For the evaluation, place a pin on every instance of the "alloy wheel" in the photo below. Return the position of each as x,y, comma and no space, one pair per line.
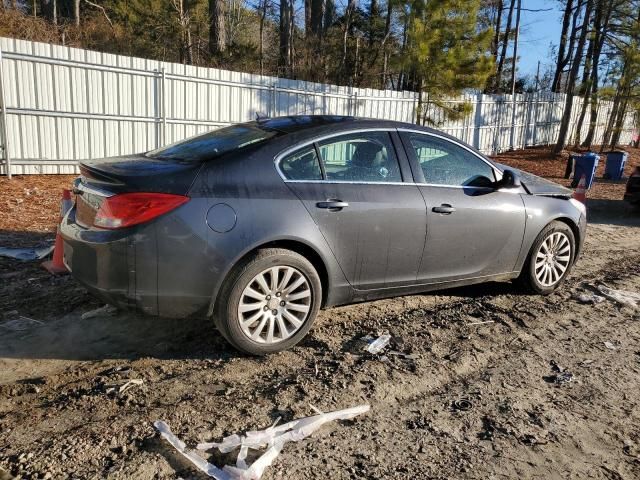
552,259
274,305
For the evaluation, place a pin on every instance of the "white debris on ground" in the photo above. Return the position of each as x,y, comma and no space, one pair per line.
104,310
588,297
273,439
623,297
377,345
123,387
21,324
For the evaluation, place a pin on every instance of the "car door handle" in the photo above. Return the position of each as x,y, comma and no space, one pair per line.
445,209
333,205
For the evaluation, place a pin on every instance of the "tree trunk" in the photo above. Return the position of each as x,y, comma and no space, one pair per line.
286,33
573,75
76,12
345,36
505,44
374,16
49,10
329,15
602,28
307,18
563,57
586,82
217,28
619,123
263,16
498,27
317,16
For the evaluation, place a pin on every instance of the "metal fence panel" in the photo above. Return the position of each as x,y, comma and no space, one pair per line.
65,104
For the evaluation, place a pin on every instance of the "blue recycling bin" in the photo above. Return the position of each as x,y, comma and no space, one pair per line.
614,168
586,165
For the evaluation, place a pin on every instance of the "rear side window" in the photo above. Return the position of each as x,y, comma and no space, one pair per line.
213,144
301,165
360,157
445,163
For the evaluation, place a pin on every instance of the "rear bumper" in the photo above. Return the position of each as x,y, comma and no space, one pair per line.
159,268
107,264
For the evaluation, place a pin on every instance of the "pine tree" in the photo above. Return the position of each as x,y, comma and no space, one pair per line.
446,54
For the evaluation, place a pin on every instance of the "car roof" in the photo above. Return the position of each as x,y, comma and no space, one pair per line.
298,128
300,123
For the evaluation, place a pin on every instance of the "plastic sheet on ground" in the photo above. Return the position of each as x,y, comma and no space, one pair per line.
379,344
26,254
623,297
588,297
273,438
104,310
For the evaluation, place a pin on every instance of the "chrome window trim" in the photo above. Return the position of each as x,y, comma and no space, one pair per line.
496,171
300,146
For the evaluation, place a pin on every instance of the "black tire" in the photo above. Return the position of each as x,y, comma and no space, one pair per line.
528,279
227,317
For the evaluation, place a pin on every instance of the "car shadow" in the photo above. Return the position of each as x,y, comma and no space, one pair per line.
122,335
482,290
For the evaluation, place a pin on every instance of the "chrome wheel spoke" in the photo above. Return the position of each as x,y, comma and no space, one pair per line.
275,271
262,281
287,277
253,293
258,330
297,307
298,295
250,307
299,281
295,321
251,320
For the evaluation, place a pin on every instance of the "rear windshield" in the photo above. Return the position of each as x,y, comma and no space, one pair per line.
212,144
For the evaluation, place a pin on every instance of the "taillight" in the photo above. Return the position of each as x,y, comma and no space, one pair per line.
129,209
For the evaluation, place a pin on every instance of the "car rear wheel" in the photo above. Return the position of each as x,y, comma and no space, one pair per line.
550,259
269,302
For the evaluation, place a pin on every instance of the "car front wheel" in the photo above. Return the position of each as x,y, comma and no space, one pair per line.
269,302
550,259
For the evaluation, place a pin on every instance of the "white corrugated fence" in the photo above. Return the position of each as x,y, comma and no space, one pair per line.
60,105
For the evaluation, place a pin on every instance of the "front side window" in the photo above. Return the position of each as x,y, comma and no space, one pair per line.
301,165
360,157
445,163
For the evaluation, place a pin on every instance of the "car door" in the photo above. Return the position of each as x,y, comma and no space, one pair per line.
473,229
373,220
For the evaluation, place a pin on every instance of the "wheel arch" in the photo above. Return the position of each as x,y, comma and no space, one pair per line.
574,228
295,245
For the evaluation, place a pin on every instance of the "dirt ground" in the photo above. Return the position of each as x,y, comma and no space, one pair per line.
480,394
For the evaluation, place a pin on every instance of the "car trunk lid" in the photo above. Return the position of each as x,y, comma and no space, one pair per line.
100,179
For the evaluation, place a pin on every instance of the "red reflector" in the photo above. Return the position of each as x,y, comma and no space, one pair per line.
129,209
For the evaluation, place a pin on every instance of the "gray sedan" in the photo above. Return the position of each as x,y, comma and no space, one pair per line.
259,225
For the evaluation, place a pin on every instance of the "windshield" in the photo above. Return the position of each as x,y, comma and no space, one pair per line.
212,144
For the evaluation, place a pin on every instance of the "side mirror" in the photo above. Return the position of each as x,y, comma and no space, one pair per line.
510,179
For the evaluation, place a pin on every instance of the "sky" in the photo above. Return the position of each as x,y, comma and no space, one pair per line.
538,30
